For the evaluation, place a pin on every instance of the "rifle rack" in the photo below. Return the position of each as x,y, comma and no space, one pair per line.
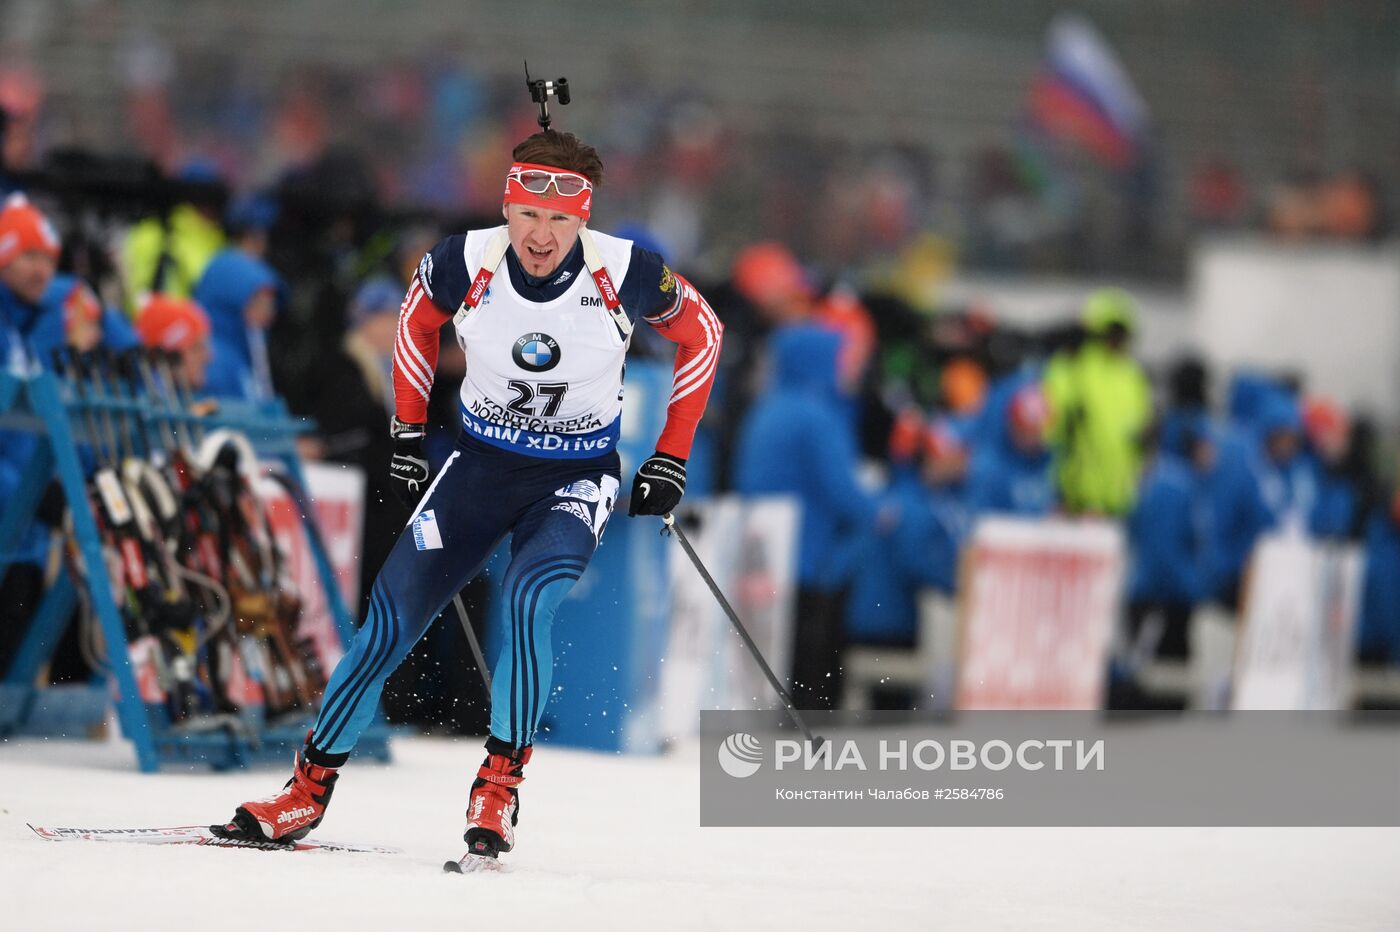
41,404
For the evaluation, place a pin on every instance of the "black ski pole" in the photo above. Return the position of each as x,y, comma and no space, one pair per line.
472,642
671,527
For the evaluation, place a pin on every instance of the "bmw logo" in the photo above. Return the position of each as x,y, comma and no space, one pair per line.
536,352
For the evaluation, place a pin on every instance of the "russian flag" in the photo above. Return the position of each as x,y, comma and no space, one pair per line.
1083,94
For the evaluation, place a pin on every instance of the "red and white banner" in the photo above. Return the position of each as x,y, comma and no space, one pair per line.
1040,602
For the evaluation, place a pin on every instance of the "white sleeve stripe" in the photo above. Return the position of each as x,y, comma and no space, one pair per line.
699,369
412,359
425,370
708,358
707,322
679,393
406,365
703,366
412,373
408,376
706,318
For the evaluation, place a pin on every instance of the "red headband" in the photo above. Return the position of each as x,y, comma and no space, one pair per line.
580,205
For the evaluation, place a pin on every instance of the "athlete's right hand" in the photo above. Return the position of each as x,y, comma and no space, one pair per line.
409,467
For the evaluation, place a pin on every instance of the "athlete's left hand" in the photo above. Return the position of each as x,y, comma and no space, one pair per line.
658,486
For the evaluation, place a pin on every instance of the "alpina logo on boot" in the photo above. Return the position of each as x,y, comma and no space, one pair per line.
291,815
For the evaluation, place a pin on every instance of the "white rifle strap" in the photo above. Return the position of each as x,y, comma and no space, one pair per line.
495,252
594,260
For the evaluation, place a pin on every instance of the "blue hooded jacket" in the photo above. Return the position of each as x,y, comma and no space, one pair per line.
1251,494
796,440
50,330
921,552
1171,534
18,318
1005,479
1334,508
1379,630
1171,530
224,290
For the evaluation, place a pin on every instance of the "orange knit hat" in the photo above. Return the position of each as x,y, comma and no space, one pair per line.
172,323
23,228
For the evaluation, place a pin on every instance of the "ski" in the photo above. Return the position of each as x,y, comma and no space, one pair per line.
198,835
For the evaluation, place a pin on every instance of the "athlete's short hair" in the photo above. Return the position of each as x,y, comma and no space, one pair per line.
561,150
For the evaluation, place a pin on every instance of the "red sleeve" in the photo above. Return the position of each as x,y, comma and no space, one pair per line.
416,353
692,324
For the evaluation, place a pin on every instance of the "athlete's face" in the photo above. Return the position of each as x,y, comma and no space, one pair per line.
541,238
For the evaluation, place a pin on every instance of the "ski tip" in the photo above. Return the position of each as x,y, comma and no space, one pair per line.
451,867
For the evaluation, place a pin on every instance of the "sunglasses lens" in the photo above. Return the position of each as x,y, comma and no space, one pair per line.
538,182
568,187
535,182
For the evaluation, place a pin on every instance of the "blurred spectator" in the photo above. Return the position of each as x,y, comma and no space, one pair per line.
29,250
179,325
1012,474
239,293
940,541
1171,538
768,276
963,386
1328,443
1218,197
1378,637
21,102
351,403
797,441
1344,206
1100,405
928,466
841,310
1293,205
76,318
1283,479
1263,483
767,288
168,253
1350,207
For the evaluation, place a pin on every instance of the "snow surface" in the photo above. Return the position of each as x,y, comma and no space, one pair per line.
609,842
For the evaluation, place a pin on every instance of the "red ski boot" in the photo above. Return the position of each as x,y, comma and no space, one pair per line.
292,813
494,806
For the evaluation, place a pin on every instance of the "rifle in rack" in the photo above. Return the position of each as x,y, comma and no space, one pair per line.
196,605
189,528
214,542
266,605
123,547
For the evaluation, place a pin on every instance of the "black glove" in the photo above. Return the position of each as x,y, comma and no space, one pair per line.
658,486
409,467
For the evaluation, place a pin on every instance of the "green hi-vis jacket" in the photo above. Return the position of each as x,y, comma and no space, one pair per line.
1100,407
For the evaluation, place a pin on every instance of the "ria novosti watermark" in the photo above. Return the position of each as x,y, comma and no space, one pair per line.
1053,768
741,755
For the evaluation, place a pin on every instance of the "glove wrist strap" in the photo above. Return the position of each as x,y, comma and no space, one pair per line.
401,430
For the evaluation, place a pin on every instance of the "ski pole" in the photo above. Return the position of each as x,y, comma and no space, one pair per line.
472,642
671,527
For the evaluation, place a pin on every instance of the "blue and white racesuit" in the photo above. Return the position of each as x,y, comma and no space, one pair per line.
537,457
